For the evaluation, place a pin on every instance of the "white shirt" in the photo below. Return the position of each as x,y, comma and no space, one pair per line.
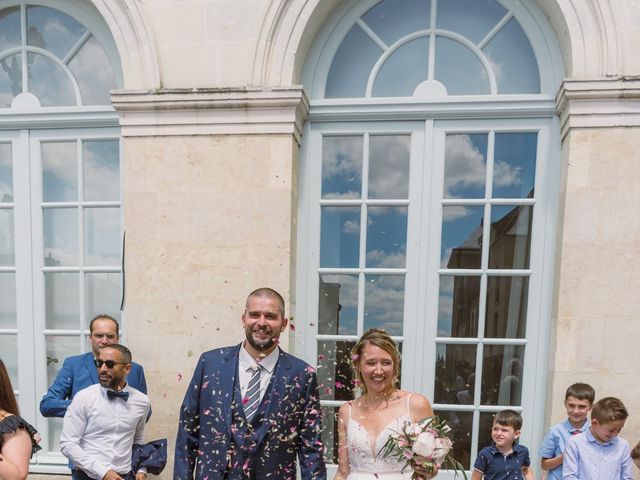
98,433
247,364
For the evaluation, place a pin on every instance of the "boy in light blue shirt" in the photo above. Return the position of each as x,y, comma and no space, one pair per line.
598,453
578,401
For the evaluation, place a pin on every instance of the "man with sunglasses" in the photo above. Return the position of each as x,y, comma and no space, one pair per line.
252,408
104,421
78,372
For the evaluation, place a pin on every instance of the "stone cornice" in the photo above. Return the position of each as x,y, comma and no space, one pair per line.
599,103
211,111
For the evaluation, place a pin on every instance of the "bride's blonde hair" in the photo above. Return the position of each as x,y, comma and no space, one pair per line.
380,339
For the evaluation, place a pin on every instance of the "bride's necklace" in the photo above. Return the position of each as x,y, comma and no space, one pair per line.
381,404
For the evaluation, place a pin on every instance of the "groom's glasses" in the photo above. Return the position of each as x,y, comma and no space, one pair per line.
109,363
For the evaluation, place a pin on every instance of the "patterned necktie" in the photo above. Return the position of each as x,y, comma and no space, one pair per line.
252,399
112,394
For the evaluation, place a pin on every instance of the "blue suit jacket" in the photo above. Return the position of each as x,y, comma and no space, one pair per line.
290,424
79,372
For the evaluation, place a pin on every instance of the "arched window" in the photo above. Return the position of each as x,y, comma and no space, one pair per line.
429,189
60,195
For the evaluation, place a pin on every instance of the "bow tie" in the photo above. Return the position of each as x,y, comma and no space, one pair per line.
111,394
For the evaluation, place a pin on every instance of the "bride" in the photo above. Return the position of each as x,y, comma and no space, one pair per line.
364,424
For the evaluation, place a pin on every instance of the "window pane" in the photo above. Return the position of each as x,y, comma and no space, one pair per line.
513,61
102,295
404,70
455,373
7,238
510,236
94,73
465,165
55,428
335,375
52,30
386,237
101,170
473,19
10,28
506,307
458,306
10,78
9,349
7,300
102,236
6,173
453,58
502,374
59,172
393,19
351,65
330,433
49,82
60,236
389,157
514,165
484,430
342,167
340,237
384,303
461,424
461,236
338,305
62,301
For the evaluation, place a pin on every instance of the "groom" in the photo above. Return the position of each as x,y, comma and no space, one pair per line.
251,408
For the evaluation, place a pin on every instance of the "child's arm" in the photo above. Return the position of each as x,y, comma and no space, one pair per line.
551,463
477,475
528,473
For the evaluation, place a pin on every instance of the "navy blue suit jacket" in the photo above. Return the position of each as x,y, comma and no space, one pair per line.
79,372
289,425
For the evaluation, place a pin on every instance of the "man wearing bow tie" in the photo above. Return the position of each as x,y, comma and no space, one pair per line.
104,421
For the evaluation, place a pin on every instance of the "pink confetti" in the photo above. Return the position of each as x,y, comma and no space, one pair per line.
179,376
292,327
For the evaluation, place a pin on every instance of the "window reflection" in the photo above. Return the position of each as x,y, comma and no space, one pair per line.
101,170
6,174
455,374
10,27
336,380
10,78
342,166
102,236
351,65
9,349
384,303
60,236
7,300
474,81
465,165
461,424
7,238
506,307
458,306
94,73
461,245
510,236
59,172
480,16
389,159
330,433
49,82
404,70
102,294
514,165
62,300
502,374
393,19
387,237
338,305
339,237
52,30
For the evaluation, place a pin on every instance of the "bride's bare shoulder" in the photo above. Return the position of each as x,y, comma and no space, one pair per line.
419,406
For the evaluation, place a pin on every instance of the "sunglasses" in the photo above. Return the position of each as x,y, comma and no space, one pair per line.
109,363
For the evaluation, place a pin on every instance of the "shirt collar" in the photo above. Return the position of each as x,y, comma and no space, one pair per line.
567,425
268,363
593,439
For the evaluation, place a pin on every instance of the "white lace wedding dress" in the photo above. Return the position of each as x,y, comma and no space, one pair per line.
365,463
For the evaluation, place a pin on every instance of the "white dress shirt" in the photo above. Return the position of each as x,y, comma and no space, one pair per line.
247,365
98,433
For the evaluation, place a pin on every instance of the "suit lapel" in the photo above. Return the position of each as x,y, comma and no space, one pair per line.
91,368
276,392
228,374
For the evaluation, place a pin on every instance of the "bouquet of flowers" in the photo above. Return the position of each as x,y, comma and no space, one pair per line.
424,445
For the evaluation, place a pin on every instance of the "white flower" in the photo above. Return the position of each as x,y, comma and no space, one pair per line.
424,445
442,447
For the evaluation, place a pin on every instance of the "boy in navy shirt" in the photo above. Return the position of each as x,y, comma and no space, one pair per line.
578,401
504,458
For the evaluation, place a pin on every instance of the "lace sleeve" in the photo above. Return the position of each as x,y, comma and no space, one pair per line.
11,424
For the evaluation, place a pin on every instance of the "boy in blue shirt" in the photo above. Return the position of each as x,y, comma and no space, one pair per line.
599,454
578,401
504,458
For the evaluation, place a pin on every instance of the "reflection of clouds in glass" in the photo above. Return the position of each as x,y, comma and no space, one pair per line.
59,171
49,82
453,213
505,174
341,196
102,236
389,166
445,305
382,259
496,66
94,73
464,165
348,288
342,157
101,170
351,226
384,302
446,255
60,256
